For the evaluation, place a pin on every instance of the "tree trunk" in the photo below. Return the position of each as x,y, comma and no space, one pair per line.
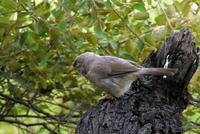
154,104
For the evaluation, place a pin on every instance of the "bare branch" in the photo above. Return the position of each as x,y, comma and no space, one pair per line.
159,3
194,102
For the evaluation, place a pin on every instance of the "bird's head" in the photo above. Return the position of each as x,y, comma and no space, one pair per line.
83,61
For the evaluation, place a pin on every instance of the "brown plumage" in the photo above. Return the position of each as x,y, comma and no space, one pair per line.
112,74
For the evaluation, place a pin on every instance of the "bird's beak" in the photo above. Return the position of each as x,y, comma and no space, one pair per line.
74,63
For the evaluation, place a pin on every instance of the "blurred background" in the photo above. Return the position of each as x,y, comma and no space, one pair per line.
39,90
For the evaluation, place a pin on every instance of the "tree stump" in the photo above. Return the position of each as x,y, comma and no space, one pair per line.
154,104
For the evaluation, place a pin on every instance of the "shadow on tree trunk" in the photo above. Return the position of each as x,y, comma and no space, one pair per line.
153,105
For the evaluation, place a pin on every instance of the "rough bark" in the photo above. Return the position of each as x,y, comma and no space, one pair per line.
153,105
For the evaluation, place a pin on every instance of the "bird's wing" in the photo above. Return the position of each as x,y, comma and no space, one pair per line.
119,66
134,63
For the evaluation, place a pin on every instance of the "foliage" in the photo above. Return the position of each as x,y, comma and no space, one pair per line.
39,39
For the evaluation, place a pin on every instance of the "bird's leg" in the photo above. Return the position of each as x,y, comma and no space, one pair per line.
106,96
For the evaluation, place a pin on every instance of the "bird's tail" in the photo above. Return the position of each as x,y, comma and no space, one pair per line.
157,71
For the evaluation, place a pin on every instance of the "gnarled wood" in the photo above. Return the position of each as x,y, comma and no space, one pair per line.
153,104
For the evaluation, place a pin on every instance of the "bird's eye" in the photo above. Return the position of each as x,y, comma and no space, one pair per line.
77,64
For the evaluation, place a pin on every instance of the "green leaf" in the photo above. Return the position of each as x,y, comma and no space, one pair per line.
169,2
113,43
40,27
4,21
23,38
140,15
112,17
139,7
55,33
35,46
161,20
98,29
99,32
149,2
62,25
107,3
2,30
183,6
125,54
55,13
159,33
189,112
117,2
67,4
148,38
9,4
42,9
131,1
92,39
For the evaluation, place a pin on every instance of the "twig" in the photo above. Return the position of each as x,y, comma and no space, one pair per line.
44,124
34,108
159,3
194,102
21,123
195,123
23,26
127,26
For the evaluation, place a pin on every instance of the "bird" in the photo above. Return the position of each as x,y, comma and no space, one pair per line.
112,74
